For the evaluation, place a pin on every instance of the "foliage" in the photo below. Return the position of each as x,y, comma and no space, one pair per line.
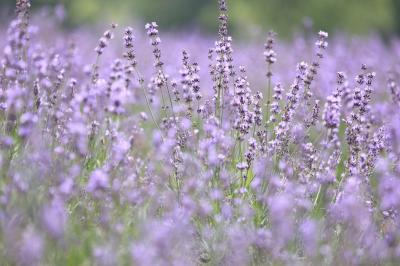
285,17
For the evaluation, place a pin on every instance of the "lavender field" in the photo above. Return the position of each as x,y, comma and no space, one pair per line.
139,147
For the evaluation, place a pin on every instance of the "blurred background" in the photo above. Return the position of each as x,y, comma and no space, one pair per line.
248,17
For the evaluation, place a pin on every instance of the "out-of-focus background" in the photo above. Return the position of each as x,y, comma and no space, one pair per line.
248,17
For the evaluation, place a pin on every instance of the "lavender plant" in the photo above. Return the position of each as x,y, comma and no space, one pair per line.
124,155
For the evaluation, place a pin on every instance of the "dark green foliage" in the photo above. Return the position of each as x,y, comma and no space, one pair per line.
284,16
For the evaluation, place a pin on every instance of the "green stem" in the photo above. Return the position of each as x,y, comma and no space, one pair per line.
169,95
268,98
147,101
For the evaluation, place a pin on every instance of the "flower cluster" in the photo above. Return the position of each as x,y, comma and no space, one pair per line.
124,156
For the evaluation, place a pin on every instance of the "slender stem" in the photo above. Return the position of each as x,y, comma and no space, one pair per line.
218,104
318,195
169,94
163,107
241,159
222,106
95,69
147,101
178,189
269,95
